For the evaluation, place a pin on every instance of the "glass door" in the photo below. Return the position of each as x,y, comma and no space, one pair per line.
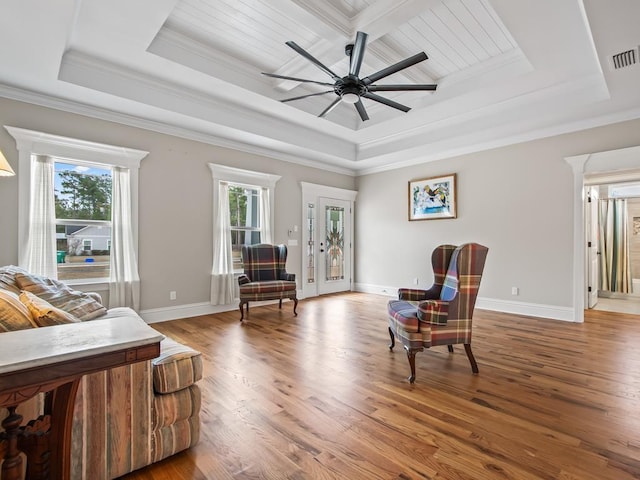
333,245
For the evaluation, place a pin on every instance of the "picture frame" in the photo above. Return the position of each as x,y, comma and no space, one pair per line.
433,198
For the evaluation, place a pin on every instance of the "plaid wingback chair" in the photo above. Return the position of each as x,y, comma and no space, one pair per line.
441,315
265,276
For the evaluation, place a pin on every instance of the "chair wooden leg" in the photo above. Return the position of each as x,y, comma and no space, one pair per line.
411,356
450,348
472,360
295,305
280,304
393,339
242,310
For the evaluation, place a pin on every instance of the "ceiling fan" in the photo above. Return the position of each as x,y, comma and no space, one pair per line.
351,88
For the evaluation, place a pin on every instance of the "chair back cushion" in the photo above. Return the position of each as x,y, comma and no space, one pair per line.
264,262
462,282
440,261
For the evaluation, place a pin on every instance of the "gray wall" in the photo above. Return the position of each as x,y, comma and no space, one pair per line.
517,200
175,236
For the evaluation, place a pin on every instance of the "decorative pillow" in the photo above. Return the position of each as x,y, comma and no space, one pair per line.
8,278
43,313
81,305
13,314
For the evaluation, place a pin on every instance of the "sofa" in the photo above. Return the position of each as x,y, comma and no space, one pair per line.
124,418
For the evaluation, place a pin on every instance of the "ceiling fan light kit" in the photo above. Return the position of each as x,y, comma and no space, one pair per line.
351,88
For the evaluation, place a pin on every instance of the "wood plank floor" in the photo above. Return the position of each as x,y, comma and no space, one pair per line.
320,396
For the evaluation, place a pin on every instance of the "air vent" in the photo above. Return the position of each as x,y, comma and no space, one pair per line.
625,59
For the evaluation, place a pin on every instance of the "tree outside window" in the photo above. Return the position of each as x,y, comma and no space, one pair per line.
244,212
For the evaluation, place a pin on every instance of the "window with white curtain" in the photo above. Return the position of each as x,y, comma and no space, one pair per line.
101,211
242,215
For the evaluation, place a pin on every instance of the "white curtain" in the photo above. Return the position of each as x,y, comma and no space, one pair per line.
265,216
40,253
222,278
124,282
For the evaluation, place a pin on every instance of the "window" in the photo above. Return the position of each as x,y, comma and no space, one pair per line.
244,215
90,186
82,194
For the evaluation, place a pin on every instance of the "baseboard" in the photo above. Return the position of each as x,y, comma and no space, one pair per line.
155,315
507,306
377,289
553,312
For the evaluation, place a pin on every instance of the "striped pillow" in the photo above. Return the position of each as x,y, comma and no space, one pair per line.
13,314
43,313
81,305
8,278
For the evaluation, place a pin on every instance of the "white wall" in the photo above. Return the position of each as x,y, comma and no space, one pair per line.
516,200
175,230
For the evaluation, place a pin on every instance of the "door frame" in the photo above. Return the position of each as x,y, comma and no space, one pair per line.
311,193
594,169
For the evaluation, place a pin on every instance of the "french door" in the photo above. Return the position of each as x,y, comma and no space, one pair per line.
333,242
327,253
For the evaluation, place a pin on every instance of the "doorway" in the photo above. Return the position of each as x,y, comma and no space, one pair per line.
618,236
607,167
327,254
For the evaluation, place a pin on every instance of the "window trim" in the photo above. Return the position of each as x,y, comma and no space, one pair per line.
30,142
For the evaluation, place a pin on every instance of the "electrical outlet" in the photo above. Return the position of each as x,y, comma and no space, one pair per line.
514,291
172,295
415,281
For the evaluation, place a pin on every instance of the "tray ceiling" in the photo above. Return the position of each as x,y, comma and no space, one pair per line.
506,71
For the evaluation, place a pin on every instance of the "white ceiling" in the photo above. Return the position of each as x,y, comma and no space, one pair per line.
507,71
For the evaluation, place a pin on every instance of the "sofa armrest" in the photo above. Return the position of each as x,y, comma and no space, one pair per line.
177,367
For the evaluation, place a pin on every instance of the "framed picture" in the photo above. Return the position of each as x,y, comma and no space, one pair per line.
432,198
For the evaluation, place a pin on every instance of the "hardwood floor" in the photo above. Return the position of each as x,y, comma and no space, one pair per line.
320,396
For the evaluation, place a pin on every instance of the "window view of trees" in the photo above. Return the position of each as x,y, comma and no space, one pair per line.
83,196
244,205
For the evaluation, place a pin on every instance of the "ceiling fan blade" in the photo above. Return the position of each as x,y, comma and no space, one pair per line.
330,107
401,88
312,59
361,110
357,53
386,101
305,96
284,77
385,72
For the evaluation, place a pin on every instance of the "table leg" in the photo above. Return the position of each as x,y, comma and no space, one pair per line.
12,465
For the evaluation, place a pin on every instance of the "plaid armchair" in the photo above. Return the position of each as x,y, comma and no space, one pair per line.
441,315
265,276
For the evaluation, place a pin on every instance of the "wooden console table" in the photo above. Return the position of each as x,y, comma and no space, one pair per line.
54,359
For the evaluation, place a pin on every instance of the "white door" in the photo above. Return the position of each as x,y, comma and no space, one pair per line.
592,246
333,245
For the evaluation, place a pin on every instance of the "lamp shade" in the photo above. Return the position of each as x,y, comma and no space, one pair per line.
5,168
